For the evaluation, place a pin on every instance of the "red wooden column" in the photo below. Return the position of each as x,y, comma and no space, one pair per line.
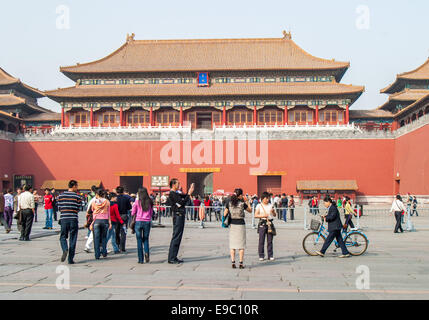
151,116
224,116
316,117
255,116
67,119
181,116
346,120
91,117
286,119
62,117
394,125
121,117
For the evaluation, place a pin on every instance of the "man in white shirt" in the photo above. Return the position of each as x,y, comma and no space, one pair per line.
26,205
398,208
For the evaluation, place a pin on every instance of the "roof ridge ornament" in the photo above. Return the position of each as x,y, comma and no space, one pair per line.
287,35
130,37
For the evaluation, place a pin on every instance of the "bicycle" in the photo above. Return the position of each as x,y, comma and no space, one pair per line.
355,241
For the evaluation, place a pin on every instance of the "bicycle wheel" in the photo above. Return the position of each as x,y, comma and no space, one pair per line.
312,242
356,243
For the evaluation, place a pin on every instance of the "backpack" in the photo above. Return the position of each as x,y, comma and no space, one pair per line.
238,211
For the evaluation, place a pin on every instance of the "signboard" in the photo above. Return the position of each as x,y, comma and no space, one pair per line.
309,191
203,79
159,181
20,181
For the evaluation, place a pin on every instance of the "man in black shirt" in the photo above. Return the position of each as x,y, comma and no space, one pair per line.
124,205
178,203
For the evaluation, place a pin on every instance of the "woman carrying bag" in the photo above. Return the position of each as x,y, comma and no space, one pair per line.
266,213
236,208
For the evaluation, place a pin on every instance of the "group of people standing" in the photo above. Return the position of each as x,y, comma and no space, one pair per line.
21,206
108,217
399,210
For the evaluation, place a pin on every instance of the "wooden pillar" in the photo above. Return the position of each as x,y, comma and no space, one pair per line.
224,116
394,125
255,114
62,117
346,120
151,116
181,116
316,117
91,117
67,119
286,119
121,116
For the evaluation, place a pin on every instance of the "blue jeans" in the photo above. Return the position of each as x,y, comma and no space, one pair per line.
284,214
100,238
49,214
69,228
142,235
111,236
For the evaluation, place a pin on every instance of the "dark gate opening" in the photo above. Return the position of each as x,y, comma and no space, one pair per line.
131,183
270,184
204,120
203,183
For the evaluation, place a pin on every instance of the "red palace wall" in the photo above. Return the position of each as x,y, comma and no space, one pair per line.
370,162
412,162
6,164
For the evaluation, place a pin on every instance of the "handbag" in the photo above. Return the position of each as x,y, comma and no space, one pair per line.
226,221
271,228
133,223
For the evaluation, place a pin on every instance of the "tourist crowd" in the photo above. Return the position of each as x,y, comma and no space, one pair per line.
111,214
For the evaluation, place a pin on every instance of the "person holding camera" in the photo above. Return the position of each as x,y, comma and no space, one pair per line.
178,201
266,213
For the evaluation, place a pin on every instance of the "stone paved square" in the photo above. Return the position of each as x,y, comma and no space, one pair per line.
398,265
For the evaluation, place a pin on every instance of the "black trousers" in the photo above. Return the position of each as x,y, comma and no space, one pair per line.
121,234
178,227
263,233
398,217
26,223
336,234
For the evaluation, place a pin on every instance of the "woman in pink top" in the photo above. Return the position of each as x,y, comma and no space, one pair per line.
101,223
143,210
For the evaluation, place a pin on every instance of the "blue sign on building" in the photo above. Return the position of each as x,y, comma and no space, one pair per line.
203,79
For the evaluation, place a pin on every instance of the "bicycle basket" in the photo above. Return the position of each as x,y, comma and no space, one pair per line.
315,225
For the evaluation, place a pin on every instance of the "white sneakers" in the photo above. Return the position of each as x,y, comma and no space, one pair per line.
271,259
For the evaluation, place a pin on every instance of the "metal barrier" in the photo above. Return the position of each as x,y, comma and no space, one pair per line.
383,219
375,218
212,213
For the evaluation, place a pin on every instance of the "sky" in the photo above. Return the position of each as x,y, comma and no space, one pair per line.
379,38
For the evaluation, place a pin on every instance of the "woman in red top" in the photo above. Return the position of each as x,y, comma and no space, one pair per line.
115,218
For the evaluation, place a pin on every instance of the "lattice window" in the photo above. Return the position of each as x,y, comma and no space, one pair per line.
240,117
270,117
81,118
168,117
138,118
